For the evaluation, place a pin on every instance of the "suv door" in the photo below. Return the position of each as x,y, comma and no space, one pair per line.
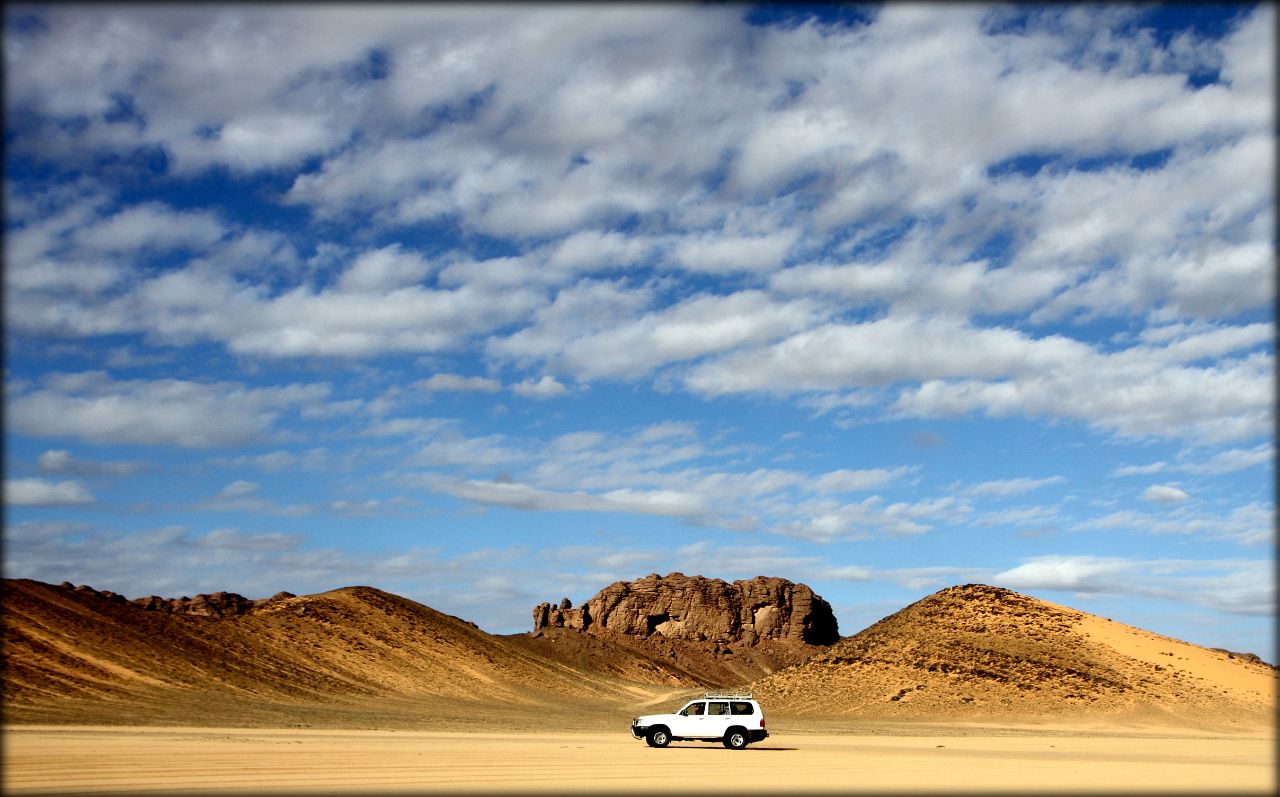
689,722
718,720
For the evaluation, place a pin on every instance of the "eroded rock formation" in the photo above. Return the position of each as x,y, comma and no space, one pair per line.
216,604
700,609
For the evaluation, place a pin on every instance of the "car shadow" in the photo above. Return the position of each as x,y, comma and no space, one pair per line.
721,749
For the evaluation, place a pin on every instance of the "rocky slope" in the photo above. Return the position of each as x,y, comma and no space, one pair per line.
980,652
77,652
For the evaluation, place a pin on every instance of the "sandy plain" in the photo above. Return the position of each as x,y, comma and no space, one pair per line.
882,758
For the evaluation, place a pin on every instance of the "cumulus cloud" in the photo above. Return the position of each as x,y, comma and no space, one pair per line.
39,492
1164,494
1133,394
544,388
1238,587
94,407
151,226
511,153
688,330
1081,573
456,383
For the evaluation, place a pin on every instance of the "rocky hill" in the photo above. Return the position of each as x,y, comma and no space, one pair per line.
361,658
723,633
76,652
980,652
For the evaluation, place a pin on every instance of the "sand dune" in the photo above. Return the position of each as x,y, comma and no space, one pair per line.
977,652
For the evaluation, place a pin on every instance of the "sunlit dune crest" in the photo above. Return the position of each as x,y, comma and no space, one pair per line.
974,652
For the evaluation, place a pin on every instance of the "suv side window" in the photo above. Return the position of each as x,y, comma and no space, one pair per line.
692,710
718,709
742,708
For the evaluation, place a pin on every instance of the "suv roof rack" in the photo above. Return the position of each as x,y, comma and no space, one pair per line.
726,695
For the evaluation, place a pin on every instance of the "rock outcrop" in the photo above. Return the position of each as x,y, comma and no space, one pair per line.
700,609
215,604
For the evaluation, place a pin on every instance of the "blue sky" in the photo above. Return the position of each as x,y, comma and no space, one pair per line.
494,305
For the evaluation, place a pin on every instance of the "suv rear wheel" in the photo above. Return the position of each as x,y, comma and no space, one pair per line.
659,737
735,739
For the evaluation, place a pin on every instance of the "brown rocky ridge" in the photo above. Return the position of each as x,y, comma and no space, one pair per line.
215,604
358,657
723,633
353,657
981,652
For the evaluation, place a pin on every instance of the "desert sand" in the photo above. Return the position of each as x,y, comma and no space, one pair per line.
879,759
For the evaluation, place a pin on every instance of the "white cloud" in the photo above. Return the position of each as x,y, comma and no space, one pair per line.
238,489
844,481
39,492
721,253
576,312
332,323
1248,524
881,352
544,388
514,495
1237,587
450,448
456,383
700,326
383,270
151,226
244,496
92,406
60,461
269,140
1006,487
1133,393
871,517
235,539
1140,470
592,250
1232,460
1164,494
1028,519
1077,573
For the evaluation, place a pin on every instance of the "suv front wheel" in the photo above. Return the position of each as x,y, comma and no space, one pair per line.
659,737
735,739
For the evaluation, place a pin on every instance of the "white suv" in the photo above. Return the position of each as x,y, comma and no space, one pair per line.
733,718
